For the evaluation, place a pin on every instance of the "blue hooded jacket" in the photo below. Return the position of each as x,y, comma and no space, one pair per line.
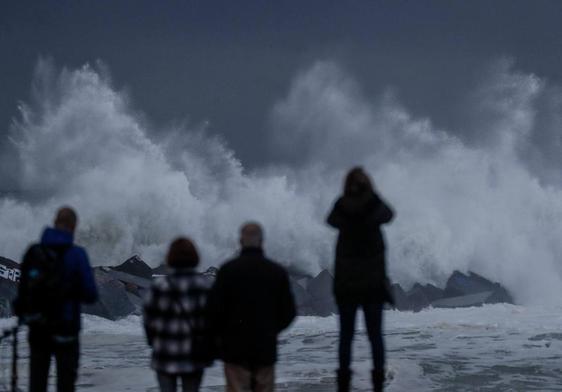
78,276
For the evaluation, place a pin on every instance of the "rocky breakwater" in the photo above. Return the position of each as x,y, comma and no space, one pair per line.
314,295
122,288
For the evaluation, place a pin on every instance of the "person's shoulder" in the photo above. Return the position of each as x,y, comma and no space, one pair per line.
338,203
201,282
375,199
229,265
206,282
32,252
31,249
78,253
160,283
276,267
193,280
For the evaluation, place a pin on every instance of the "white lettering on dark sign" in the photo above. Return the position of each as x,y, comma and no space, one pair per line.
12,274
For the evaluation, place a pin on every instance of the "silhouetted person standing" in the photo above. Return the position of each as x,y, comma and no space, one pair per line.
360,272
56,278
250,304
175,322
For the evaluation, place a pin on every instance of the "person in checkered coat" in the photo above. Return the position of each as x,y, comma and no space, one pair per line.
174,320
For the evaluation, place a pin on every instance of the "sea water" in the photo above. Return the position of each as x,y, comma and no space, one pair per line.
492,348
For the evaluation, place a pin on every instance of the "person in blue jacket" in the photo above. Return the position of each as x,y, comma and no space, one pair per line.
56,278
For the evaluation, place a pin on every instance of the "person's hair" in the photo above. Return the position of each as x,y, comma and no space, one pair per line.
357,182
251,235
66,219
182,254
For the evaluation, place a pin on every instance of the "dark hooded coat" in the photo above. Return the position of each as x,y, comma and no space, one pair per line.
360,267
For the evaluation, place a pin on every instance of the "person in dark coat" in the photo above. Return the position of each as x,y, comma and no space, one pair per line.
56,333
360,273
175,321
250,304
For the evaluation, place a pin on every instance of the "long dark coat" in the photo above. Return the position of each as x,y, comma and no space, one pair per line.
360,267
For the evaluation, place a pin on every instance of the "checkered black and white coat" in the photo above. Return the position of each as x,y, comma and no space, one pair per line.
174,311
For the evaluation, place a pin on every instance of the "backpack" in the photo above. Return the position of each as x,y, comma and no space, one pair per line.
42,287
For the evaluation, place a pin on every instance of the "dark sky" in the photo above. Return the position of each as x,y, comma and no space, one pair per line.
229,61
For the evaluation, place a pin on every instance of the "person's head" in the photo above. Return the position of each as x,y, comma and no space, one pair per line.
251,235
182,254
66,219
357,182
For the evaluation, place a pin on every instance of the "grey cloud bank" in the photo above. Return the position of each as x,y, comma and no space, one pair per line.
228,63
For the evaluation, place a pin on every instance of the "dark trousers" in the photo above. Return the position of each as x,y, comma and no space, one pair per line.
373,321
190,382
66,356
